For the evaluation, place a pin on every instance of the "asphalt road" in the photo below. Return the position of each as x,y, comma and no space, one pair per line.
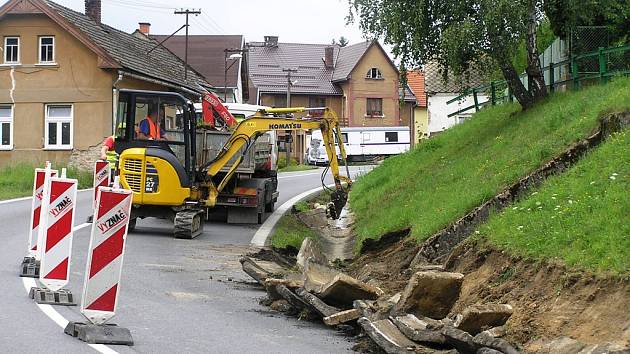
177,296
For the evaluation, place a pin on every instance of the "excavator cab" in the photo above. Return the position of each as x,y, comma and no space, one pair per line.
156,132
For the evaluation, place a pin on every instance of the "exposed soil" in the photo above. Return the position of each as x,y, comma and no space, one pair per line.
549,300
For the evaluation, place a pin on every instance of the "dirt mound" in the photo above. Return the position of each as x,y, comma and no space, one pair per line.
549,301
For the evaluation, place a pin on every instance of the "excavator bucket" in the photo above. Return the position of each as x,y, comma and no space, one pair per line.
338,200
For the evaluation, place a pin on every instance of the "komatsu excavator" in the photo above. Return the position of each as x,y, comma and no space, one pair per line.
172,179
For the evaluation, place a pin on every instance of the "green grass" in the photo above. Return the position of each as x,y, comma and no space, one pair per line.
290,232
580,217
294,168
447,176
17,180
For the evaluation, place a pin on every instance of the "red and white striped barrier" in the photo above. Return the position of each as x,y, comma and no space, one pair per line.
57,221
38,191
105,255
102,176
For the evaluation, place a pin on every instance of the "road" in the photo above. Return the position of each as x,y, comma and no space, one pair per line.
177,296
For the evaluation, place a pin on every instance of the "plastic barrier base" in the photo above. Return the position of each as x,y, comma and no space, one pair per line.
61,297
99,334
29,268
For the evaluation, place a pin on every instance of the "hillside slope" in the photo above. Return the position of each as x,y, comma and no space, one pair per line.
580,217
446,176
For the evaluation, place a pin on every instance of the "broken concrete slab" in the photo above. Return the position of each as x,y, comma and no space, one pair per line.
431,294
424,330
477,318
488,341
315,276
342,317
310,250
254,270
496,332
462,341
292,298
428,267
289,283
605,348
388,337
324,309
367,311
343,289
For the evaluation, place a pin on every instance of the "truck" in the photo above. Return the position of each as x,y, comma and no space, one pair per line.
253,192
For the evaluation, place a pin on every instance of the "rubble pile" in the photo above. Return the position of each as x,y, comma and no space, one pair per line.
417,320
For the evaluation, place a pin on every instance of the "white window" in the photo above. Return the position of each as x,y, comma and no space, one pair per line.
6,127
11,50
374,73
46,50
58,127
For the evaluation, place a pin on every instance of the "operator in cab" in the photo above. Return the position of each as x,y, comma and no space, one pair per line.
150,128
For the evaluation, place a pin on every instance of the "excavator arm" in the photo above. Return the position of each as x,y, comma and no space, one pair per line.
247,131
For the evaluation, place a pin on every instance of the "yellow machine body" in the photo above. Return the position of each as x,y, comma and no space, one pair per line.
153,180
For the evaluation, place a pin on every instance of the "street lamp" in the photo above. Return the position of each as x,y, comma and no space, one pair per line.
237,55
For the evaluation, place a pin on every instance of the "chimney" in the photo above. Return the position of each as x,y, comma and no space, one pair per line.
271,41
328,57
144,27
93,10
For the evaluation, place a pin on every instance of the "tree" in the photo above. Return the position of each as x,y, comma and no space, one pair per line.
459,34
343,41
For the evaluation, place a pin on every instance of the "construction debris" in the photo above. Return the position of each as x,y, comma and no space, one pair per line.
486,340
431,294
310,250
477,318
254,270
460,340
343,289
342,317
424,330
293,299
387,336
321,307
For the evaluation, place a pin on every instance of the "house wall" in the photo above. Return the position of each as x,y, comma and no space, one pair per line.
75,79
359,88
298,148
438,110
420,124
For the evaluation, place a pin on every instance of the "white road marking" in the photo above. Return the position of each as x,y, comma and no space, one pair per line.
61,321
261,236
299,175
28,198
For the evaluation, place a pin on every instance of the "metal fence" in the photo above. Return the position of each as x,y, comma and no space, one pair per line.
570,73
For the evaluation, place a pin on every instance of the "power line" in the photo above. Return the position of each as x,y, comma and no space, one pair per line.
187,12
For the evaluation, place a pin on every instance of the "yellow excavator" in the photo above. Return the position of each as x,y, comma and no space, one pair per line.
175,174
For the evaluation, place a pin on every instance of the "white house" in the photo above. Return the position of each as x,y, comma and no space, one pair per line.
440,90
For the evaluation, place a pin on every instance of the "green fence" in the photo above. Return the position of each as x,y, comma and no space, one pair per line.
588,68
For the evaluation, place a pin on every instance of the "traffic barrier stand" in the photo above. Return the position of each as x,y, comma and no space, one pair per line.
30,263
104,266
55,242
102,176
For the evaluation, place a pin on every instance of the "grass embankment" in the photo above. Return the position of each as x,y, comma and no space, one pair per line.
292,166
447,176
291,231
17,180
580,217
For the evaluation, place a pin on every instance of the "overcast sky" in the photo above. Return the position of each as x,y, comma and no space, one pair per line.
313,21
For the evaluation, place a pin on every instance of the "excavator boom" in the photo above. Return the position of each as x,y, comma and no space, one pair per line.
246,132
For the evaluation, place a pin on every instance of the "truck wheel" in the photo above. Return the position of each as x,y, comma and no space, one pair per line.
269,207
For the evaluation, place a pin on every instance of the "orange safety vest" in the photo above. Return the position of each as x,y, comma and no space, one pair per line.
154,129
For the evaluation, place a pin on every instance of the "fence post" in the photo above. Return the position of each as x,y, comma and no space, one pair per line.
574,72
474,92
551,77
602,64
493,93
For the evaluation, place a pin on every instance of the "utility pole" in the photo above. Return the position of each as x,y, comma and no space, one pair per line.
289,71
187,12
